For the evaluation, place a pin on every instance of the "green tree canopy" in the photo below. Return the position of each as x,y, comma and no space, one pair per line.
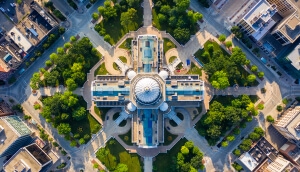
129,18
64,128
79,113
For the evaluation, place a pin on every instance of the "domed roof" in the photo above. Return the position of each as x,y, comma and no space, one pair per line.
147,90
163,74
131,74
131,107
164,106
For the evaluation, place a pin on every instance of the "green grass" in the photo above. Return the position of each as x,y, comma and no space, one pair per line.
101,70
101,112
116,31
195,70
168,45
171,59
168,136
179,66
117,154
115,66
126,44
123,59
85,125
200,55
128,134
163,161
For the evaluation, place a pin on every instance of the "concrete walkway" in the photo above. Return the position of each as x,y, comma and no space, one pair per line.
147,4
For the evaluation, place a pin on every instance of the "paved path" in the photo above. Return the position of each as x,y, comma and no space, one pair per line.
147,12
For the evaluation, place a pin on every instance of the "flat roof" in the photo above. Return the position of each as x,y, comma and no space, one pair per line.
294,57
261,7
248,161
8,135
19,39
17,125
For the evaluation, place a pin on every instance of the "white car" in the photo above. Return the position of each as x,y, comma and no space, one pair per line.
12,4
2,9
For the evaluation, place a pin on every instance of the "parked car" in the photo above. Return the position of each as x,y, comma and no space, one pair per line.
12,4
2,9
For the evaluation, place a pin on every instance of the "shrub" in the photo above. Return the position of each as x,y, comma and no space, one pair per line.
237,152
260,106
222,38
230,138
259,131
95,16
95,165
254,136
126,138
37,106
107,38
26,117
73,143
55,144
270,119
285,101
86,136
76,136
81,141
279,108
18,108
263,90
224,144
228,44
237,167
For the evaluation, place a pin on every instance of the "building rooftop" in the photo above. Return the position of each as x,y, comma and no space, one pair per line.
5,109
291,151
19,39
262,10
290,120
294,57
11,128
279,165
31,158
249,162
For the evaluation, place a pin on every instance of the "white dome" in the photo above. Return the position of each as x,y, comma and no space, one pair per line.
131,74
131,107
147,90
163,74
164,106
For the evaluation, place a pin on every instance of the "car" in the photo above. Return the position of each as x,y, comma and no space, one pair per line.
107,117
168,128
2,9
12,4
11,19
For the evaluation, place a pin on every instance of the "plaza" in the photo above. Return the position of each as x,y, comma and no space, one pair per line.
148,92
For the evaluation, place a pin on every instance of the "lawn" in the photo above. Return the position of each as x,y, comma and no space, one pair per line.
127,138
179,66
101,70
168,45
195,70
205,55
101,112
163,161
85,125
114,28
117,154
171,59
123,59
168,137
115,66
126,44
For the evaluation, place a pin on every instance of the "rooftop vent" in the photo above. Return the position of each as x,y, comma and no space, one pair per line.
297,128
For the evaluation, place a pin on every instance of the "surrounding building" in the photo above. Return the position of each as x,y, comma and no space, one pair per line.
29,158
14,134
257,156
148,92
259,20
289,125
294,57
281,165
291,152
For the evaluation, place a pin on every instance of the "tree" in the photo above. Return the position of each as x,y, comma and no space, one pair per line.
222,38
252,109
260,106
182,5
238,56
60,50
259,131
64,128
251,78
270,119
67,45
285,101
228,44
19,1
73,39
237,32
254,68
64,116
121,168
214,131
86,137
279,108
53,58
95,16
48,63
35,81
181,34
129,18
189,145
133,3
73,143
230,138
254,136
96,165
79,113
81,141
260,74
184,150
161,18
71,84
107,38
224,144
18,108
237,152
220,80
246,144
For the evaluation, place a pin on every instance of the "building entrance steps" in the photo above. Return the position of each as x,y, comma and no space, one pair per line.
123,116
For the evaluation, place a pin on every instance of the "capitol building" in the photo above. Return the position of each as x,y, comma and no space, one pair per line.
148,93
